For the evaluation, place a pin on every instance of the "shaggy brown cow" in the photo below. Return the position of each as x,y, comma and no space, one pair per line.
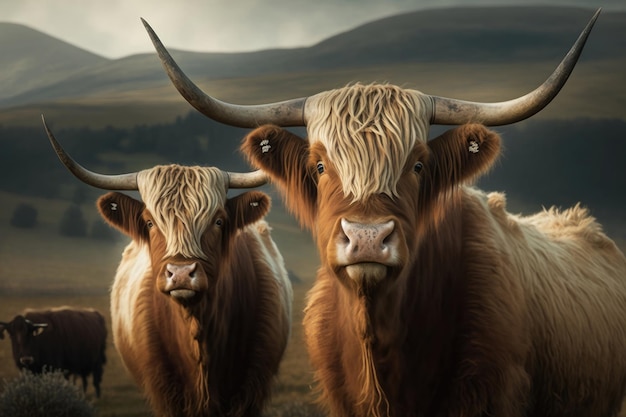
431,299
201,302
63,338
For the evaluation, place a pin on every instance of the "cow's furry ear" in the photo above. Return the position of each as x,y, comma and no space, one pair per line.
268,147
284,156
123,213
461,154
247,208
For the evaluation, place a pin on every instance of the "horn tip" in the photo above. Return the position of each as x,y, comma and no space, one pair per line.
596,14
149,29
153,36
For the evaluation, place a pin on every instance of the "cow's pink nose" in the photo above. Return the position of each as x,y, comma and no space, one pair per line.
182,281
180,273
362,242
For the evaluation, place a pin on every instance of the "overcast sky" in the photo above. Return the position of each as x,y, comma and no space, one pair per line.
112,28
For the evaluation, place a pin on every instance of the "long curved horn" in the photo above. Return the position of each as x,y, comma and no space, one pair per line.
129,181
246,179
107,182
284,113
447,111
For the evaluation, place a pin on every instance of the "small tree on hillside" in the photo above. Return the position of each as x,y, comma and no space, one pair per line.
24,216
73,223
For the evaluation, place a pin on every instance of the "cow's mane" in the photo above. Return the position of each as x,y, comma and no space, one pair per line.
179,213
375,124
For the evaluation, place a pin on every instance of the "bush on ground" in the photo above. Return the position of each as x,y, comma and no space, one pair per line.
43,395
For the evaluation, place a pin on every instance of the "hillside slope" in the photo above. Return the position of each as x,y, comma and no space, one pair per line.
32,59
49,70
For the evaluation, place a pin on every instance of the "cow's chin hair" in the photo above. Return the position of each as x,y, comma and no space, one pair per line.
185,297
367,273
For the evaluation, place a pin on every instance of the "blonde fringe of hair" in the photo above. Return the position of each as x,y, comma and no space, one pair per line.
182,201
368,132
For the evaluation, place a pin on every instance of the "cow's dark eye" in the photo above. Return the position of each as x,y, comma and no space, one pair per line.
149,224
418,167
219,222
320,167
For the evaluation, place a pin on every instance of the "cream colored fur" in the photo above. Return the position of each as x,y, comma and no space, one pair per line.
574,285
376,125
178,215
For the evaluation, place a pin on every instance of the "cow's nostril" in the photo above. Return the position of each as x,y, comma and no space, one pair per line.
389,239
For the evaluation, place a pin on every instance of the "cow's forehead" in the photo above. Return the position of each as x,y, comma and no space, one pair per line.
182,201
368,132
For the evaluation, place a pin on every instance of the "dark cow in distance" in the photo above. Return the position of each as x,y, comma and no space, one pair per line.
431,299
201,302
68,339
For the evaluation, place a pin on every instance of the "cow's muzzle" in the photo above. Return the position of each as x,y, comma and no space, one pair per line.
184,282
366,250
27,360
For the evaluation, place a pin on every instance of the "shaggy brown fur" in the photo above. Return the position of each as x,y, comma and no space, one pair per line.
484,314
215,353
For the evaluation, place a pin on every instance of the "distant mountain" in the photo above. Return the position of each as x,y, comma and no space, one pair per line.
476,34
36,67
32,59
